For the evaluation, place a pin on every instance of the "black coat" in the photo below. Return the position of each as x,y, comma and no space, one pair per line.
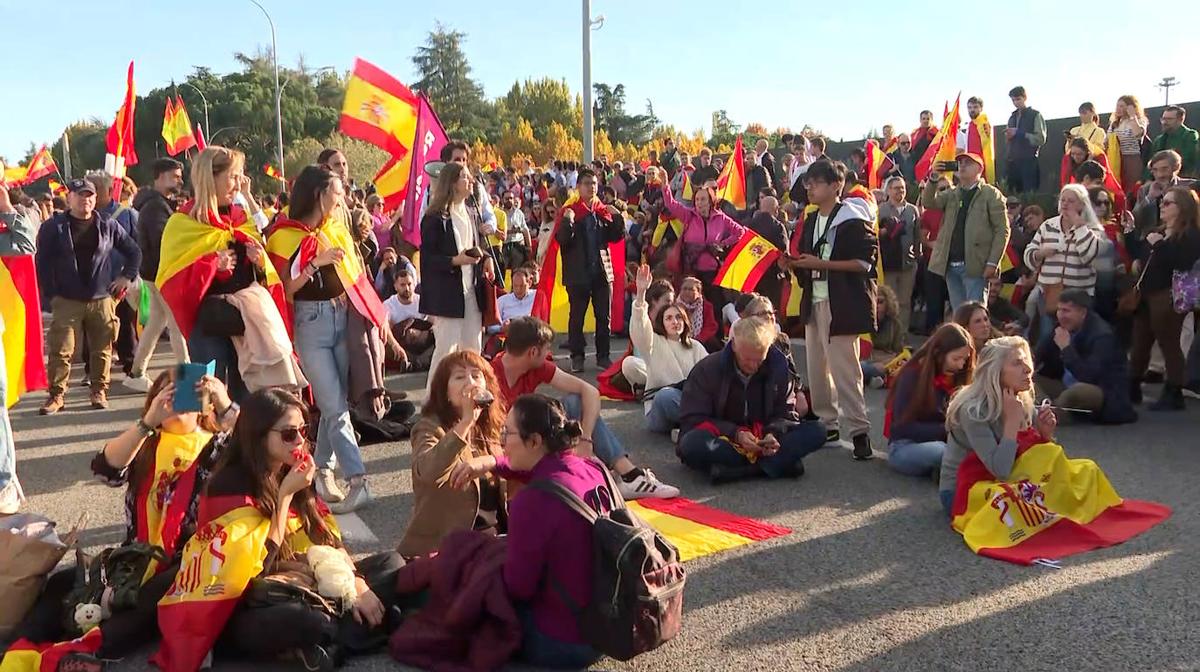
851,295
441,280
1095,357
714,395
577,268
154,210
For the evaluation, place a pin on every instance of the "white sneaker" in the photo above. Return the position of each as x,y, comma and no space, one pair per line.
876,383
138,384
675,435
646,485
358,497
11,497
327,486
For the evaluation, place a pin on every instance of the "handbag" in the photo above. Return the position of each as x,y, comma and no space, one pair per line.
1131,298
218,317
488,310
292,583
1185,290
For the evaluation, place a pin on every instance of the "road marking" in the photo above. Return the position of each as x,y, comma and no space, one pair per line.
354,529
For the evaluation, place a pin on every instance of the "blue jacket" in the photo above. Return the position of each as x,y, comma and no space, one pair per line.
58,274
126,218
715,395
1096,357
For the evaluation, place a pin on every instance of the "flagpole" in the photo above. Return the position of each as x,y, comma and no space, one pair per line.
67,154
203,100
587,81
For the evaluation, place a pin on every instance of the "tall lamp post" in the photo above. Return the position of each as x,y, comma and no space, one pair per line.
207,128
589,25
278,91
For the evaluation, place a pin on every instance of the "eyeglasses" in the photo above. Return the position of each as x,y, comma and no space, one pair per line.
1166,202
291,434
505,432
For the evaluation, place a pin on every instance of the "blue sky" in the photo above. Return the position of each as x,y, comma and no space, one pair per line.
843,67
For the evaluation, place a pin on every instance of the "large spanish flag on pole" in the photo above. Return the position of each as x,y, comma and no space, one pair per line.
41,165
1047,508
731,183
746,262
981,140
290,238
550,302
944,144
119,141
379,109
20,310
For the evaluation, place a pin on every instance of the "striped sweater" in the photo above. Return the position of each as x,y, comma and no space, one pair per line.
1072,264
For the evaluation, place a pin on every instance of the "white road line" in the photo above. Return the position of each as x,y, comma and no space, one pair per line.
354,530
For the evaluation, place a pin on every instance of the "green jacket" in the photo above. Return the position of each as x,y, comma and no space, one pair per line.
1183,140
986,233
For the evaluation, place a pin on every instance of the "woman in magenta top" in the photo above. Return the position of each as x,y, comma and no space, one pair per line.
547,542
704,228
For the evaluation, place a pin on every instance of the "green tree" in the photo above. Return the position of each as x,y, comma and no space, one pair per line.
540,102
610,115
445,77
724,130
87,146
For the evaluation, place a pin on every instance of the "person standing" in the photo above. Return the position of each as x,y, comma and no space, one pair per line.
517,242
77,266
1026,134
899,240
125,217
838,250
17,237
1178,137
973,234
155,205
1164,174
585,230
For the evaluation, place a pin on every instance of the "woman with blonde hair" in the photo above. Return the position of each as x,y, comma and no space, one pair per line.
215,277
986,415
1129,124
1089,129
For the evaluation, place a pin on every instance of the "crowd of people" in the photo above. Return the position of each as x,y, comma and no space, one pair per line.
304,301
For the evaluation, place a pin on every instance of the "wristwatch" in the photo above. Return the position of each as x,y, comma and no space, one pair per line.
145,430
228,409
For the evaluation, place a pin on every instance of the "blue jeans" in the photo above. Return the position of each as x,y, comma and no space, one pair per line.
320,329
700,450
916,459
664,410
872,370
541,650
203,349
605,444
962,287
946,497
8,451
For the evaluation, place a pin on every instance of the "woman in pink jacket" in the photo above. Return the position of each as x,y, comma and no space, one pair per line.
705,230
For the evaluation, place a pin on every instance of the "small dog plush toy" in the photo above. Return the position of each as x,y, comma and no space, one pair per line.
88,616
335,574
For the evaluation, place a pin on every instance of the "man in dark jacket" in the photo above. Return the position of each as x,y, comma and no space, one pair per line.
126,218
766,223
836,269
1026,133
584,234
1082,365
155,205
77,267
738,415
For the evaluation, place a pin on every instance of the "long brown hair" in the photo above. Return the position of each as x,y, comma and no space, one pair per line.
1188,222
248,451
443,189
927,362
143,464
438,404
659,324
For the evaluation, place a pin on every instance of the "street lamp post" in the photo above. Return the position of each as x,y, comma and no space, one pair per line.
207,128
278,91
589,25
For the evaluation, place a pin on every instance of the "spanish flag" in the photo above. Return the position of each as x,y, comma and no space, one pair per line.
188,261
291,238
163,499
1047,508
746,262
41,165
26,656
793,294
177,127
944,144
1112,151
14,176
981,140
57,188
874,164
270,172
1010,260
731,183
379,109
660,230
697,530
550,302
20,309
119,141
218,562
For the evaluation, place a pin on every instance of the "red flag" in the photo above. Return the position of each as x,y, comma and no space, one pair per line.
942,147
41,165
731,183
873,166
119,141
200,143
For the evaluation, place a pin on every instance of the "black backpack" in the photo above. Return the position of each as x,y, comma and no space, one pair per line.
637,580
120,568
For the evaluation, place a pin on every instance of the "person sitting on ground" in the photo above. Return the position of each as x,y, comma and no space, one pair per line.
757,305
738,416
887,340
669,352
985,416
975,318
1006,317
524,366
456,425
177,450
260,502
549,552
1081,365
658,296
517,303
700,311
916,405
411,332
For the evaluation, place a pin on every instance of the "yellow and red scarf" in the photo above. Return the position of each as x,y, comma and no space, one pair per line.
164,496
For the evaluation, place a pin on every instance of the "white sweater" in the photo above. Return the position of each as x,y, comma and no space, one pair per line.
667,361
1073,264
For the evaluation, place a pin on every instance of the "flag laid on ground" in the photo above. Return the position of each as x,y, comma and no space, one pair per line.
177,127
746,262
41,165
26,656
1047,508
550,302
270,172
119,141
379,109
20,309
290,238
698,530
731,183
981,140
944,144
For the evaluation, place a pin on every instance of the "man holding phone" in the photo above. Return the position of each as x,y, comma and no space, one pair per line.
974,230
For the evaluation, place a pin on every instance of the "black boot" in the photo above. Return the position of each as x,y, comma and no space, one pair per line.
1135,391
721,473
1171,399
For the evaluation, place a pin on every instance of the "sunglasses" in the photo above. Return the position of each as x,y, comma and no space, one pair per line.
1103,201
1166,202
292,434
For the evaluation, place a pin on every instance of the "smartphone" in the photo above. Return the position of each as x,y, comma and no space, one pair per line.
946,166
186,399
473,252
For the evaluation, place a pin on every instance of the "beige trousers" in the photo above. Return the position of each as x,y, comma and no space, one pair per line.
834,375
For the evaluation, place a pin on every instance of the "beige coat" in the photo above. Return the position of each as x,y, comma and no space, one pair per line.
985,234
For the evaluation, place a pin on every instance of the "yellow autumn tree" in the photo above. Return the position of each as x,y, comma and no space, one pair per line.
602,145
483,155
560,144
518,140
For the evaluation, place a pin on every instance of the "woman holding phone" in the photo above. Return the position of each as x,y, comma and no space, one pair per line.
1128,124
454,266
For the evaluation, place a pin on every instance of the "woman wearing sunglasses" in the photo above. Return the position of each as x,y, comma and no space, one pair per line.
259,517
164,460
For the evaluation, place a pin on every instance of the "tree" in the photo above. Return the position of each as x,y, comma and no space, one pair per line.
560,144
540,102
609,111
723,130
445,77
518,140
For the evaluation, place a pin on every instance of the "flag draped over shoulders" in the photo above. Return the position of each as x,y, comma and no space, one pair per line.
981,140
189,260
163,499
291,238
21,313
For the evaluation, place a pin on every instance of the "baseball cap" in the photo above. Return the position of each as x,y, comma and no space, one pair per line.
970,155
79,185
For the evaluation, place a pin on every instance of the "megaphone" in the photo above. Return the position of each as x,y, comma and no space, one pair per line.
434,168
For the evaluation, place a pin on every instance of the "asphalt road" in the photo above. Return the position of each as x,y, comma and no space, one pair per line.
872,578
